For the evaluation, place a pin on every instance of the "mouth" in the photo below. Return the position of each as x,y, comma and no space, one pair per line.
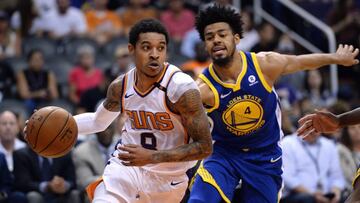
154,65
218,50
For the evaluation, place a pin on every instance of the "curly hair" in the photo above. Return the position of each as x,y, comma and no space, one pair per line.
215,14
145,26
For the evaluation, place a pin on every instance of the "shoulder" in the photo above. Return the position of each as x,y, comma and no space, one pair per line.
327,142
270,58
289,140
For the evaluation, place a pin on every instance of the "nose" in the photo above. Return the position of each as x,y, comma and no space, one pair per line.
217,39
154,53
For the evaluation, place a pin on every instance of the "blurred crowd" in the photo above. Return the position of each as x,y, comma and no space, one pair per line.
66,53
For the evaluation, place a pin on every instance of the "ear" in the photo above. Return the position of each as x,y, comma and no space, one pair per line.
237,38
131,49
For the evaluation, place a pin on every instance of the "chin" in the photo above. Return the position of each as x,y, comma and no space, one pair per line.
221,61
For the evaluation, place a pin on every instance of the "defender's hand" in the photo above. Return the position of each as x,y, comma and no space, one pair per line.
136,156
346,55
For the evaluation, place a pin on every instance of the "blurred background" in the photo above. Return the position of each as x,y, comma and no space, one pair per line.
66,53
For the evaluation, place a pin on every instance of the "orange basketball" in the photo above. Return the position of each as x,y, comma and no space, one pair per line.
51,132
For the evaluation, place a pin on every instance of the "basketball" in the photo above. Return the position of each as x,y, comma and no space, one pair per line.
51,132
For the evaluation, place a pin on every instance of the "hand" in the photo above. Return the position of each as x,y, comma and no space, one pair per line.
57,185
346,55
25,128
320,198
319,122
135,155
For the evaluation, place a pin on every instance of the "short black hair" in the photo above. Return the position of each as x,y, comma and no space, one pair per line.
32,52
144,26
216,14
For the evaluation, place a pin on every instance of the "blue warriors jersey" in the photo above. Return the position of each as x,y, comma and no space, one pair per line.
246,114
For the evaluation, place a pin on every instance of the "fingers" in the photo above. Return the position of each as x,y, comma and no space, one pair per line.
305,127
125,156
128,148
308,133
356,52
305,118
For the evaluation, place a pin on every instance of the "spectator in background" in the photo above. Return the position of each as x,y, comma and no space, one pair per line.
85,75
267,41
135,11
91,156
7,194
314,88
250,34
45,7
9,130
200,61
45,179
188,43
312,172
102,23
66,20
177,20
36,85
344,19
27,21
122,63
9,44
7,81
351,139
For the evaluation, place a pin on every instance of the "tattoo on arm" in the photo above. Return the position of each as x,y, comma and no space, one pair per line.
113,97
196,123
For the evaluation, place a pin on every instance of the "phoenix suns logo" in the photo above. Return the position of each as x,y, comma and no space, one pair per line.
243,115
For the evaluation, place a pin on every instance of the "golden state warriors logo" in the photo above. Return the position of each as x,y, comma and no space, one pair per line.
243,115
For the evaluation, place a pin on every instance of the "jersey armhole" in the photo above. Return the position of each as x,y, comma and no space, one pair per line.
123,92
259,72
209,109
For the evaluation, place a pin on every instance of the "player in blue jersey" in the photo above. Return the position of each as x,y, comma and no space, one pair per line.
237,90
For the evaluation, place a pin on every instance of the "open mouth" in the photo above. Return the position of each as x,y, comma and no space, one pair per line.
154,65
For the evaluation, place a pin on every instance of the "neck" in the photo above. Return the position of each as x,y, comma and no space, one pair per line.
8,145
230,71
144,82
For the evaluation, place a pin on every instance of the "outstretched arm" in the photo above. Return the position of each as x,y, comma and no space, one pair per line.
326,122
105,114
273,65
194,119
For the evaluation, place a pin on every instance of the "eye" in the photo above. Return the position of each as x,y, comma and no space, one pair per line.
209,37
161,48
145,48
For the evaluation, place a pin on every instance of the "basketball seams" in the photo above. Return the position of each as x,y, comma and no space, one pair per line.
62,130
61,152
37,134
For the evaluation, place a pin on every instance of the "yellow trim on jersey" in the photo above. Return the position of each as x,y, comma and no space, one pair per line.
235,86
356,177
215,92
259,72
207,177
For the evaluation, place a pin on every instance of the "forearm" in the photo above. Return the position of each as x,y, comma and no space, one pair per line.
189,152
313,61
349,118
89,123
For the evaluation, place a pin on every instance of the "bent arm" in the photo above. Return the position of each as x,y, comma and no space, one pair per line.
105,114
195,121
